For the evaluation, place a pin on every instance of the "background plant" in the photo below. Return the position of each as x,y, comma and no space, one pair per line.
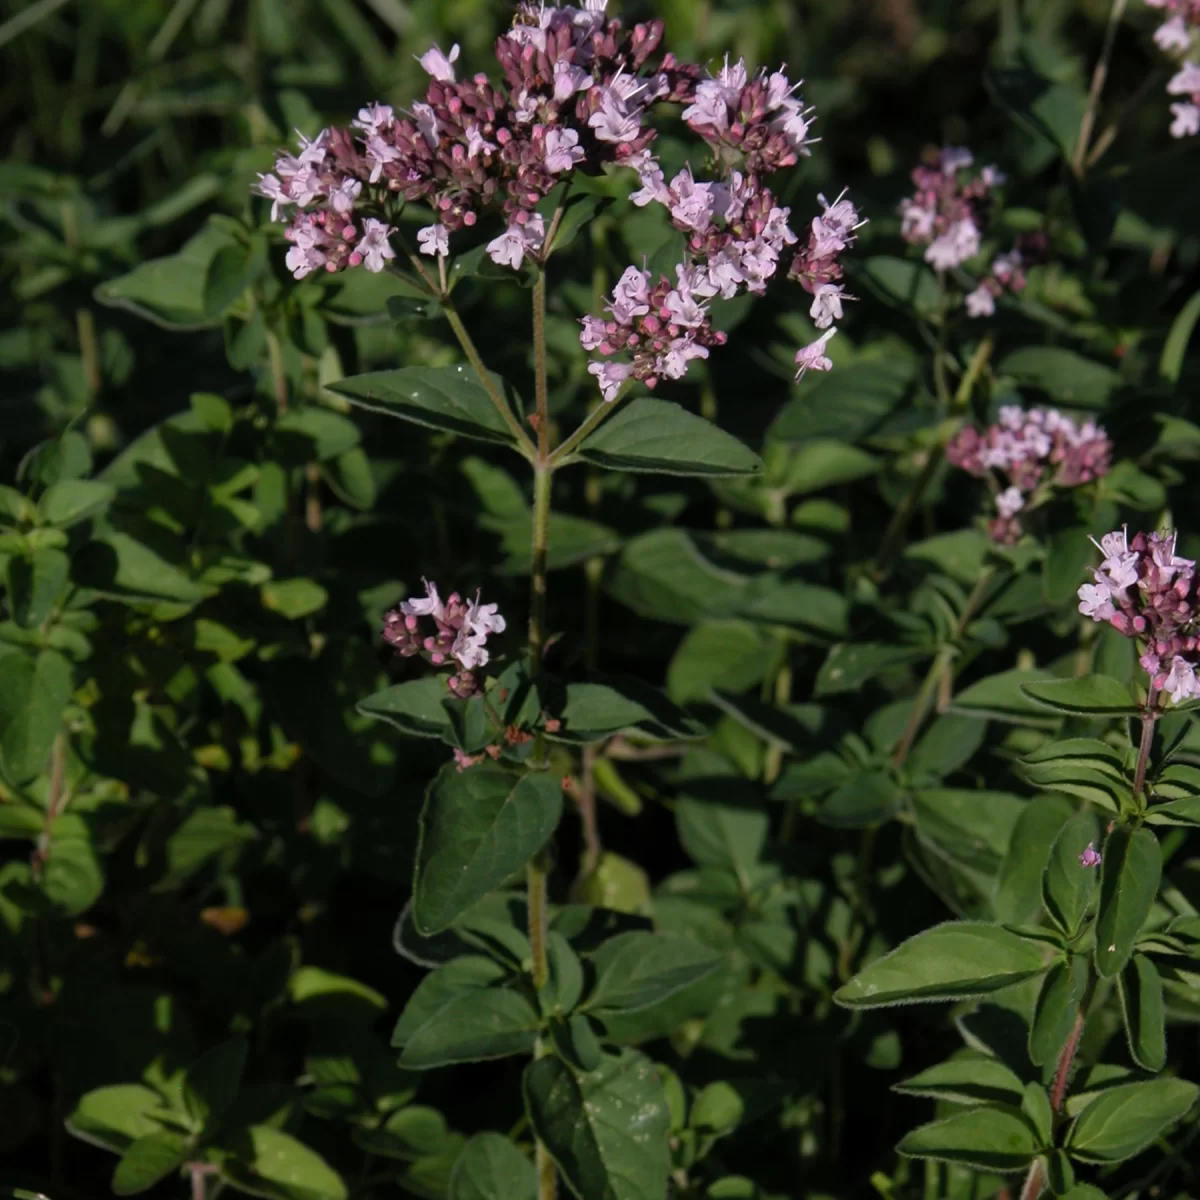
875,721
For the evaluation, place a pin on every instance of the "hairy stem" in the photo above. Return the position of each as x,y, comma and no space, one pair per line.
1035,1181
199,1186
1150,716
489,384
538,869
1099,77
540,384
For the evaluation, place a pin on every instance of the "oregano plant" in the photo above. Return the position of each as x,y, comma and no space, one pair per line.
599,600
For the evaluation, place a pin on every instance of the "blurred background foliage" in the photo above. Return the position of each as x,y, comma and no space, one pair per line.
239,841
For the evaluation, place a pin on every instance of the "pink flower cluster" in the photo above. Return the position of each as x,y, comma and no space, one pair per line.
1025,450
661,326
737,234
947,212
1174,36
1144,590
461,631
576,89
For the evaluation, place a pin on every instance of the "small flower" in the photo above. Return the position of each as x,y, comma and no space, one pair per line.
673,363
563,150
1010,502
959,243
434,240
1091,857
981,302
827,304
1096,601
439,65
610,375
464,761
510,248
1172,35
1187,119
812,357
431,606
343,195
373,118
1181,683
374,247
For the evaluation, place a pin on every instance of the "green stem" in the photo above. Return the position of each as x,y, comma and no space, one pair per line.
941,663
540,379
594,420
1079,159
537,899
278,373
1150,715
85,328
489,384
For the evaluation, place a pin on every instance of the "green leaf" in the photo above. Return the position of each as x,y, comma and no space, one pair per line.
459,977
211,1083
478,828
949,962
115,1117
903,282
594,712
794,602
1056,1009
1068,554
36,584
968,1078
490,1167
1170,364
730,655
867,798
1067,887
662,438
1089,696
121,565
1083,767
314,434
274,1164
232,269
472,1027
170,291
1125,1120
986,1138
33,693
606,1130
1129,877
635,970
1177,812
1002,698
151,1158
293,599
415,707
848,666
70,501
847,404
823,463
321,995
409,1134
1141,993
450,399
1062,374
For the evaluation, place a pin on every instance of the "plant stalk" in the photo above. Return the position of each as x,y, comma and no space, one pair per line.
1035,1181
1150,716
538,868
489,385
595,418
540,379
1079,160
